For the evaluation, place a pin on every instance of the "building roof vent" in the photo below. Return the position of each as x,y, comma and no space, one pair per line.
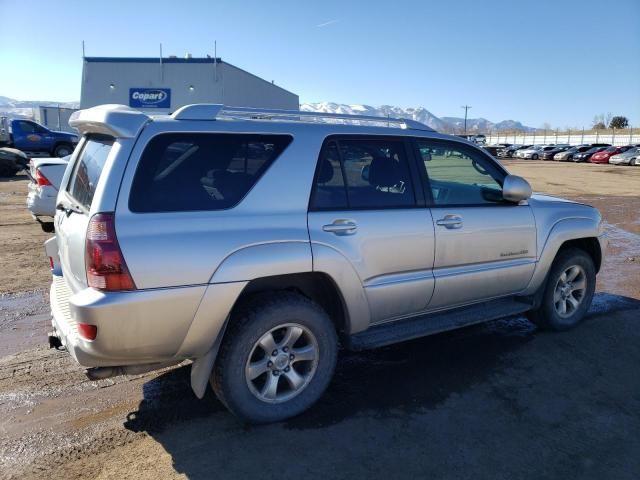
188,56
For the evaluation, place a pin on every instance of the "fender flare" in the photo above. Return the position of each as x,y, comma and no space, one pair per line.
562,231
331,262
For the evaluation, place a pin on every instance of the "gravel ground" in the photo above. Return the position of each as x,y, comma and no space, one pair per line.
500,400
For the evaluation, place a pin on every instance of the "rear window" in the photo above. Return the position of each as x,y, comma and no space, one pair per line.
88,168
203,171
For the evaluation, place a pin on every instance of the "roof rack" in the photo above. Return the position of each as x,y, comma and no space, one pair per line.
213,111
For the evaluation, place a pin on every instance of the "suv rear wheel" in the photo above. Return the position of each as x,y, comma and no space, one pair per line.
276,359
568,291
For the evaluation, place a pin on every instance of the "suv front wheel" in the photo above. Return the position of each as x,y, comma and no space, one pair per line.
568,291
276,359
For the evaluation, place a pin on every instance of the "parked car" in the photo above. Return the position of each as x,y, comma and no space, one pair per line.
549,154
509,152
534,152
568,154
45,175
494,149
607,153
586,155
630,157
18,156
192,236
8,165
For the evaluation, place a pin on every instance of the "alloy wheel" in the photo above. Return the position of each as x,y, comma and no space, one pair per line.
570,291
282,363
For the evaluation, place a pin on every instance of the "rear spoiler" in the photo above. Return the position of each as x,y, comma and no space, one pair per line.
117,121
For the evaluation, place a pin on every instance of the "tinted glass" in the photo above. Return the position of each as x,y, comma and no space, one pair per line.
183,172
88,168
367,173
329,192
377,173
458,175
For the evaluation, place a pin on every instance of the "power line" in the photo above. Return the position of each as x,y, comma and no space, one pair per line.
466,109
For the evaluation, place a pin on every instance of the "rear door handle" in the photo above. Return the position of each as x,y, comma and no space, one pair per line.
341,227
450,221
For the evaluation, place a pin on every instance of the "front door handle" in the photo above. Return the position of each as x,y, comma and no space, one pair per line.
341,227
450,221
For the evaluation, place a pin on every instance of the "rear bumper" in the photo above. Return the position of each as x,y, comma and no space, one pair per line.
143,326
133,327
41,201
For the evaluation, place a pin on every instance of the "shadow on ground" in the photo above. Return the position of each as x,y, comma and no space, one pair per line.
15,178
400,402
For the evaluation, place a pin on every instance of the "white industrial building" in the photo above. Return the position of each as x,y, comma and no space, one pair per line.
165,84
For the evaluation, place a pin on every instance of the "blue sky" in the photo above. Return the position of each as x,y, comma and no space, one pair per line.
560,61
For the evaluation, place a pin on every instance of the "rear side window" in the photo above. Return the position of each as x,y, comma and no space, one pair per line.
88,168
366,173
202,171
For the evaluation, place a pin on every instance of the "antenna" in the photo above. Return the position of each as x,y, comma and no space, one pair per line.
83,49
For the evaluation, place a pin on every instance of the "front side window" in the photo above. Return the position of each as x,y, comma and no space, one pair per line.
366,173
458,175
88,168
201,171
28,127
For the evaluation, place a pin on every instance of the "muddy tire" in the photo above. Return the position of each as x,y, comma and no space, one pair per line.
568,291
277,357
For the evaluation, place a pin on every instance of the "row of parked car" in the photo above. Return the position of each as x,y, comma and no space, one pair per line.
592,152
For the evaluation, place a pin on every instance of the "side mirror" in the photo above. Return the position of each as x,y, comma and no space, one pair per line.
515,189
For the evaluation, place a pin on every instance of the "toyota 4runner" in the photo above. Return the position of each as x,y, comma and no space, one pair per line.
255,242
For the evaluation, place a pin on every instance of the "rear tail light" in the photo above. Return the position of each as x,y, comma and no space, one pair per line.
51,263
41,180
105,265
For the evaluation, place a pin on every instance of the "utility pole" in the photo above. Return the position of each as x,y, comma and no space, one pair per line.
466,109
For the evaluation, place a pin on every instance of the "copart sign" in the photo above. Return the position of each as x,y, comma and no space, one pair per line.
150,97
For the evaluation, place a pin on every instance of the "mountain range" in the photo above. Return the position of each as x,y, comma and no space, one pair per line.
16,108
421,114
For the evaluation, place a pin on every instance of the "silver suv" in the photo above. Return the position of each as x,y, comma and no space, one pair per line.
255,242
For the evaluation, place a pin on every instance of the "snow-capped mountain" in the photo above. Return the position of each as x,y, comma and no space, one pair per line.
24,109
16,108
484,125
442,124
420,114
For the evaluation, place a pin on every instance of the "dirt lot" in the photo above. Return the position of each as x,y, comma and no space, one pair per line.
500,400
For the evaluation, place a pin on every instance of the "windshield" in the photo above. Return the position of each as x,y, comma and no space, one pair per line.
612,149
88,168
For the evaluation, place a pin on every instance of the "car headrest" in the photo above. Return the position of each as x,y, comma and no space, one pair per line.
383,172
325,173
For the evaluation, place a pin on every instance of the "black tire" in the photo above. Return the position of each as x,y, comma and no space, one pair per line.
534,156
547,316
249,322
62,150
